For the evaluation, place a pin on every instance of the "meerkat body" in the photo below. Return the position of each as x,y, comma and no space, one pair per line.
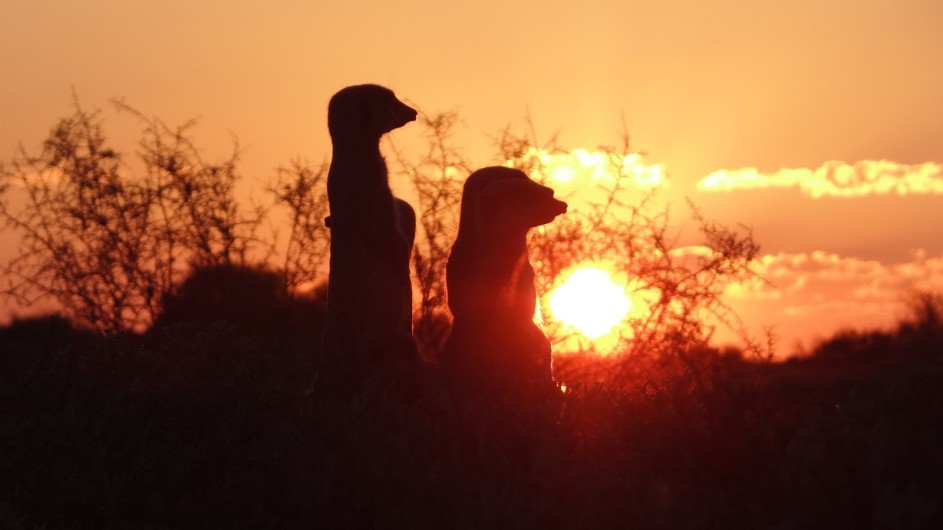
369,303
494,341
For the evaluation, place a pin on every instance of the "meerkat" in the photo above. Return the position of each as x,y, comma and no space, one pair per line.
494,340
369,299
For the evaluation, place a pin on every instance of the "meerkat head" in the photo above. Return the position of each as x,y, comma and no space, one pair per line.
471,192
507,200
365,113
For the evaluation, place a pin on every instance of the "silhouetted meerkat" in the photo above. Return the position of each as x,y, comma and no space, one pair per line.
494,341
369,301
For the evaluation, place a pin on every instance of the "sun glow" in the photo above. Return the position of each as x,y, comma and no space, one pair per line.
580,167
589,301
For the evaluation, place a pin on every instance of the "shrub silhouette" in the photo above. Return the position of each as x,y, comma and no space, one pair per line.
437,176
217,432
52,328
623,226
917,334
106,244
245,299
626,228
109,245
302,190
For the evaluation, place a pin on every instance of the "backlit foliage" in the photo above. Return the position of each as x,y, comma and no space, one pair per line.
211,421
437,174
108,243
614,222
302,189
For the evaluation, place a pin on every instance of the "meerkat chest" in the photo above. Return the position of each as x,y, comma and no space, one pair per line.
358,169
358,188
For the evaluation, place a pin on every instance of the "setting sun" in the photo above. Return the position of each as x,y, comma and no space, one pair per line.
590,301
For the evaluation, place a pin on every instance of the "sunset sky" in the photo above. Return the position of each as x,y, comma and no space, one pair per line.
817,123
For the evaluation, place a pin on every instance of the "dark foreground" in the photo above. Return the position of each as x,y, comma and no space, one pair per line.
210,429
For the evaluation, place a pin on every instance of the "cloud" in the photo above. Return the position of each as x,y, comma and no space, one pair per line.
580,167
812,295
836,179
823,275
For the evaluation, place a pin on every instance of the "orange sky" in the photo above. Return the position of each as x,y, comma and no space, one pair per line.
721,89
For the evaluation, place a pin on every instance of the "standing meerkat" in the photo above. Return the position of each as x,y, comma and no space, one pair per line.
369,300
494,345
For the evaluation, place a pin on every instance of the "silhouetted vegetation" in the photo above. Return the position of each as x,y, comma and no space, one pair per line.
622,225
210,428
211,417
302,190
108,241
250,300
438,176
107,244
